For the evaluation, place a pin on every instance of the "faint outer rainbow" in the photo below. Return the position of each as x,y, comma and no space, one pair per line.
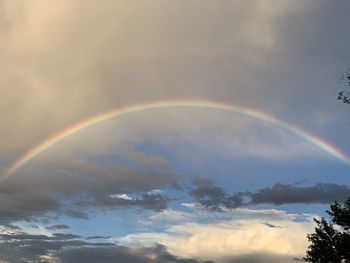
38,149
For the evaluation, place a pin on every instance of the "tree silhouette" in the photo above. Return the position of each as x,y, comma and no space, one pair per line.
331,241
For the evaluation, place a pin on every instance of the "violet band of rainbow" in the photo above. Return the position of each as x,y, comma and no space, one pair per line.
52,140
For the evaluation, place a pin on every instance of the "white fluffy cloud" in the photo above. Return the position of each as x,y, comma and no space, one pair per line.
268,232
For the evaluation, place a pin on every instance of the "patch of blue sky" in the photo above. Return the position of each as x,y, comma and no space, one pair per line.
246,173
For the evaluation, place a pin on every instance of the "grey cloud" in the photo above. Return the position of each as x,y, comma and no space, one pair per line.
211,52
26,204
97,237
61,236
147,161
83,189
66,248
58,227
23,247
151,201
157,254
215,51
69,248
287,194
271,225
261,258
24,236
11,227
212,197
74,213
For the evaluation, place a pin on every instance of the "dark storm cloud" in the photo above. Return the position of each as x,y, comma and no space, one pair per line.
83,189
214,198
66,248
26,204
24,247
288,194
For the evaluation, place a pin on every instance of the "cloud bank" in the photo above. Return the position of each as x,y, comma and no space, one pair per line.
68,248
215,198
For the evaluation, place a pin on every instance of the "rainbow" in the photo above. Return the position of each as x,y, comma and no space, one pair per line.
52,140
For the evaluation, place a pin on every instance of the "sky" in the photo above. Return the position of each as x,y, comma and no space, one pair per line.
167,131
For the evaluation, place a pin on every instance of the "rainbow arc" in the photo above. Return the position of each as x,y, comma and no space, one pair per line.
56,138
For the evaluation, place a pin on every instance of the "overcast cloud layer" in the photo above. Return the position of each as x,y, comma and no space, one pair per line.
65,61
60,65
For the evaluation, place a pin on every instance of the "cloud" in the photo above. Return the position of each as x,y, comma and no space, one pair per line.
233,240
82,189
65,248
262,258
288,194
60,65
224,240
157,254
271,225
168,216
215,198
58,227
147,161
41,248
71,64
25,247
121,196
97,237
155,202
241,213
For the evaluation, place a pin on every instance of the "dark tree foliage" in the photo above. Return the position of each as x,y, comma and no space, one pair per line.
331,241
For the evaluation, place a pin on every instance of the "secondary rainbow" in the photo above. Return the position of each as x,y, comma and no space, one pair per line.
52,140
